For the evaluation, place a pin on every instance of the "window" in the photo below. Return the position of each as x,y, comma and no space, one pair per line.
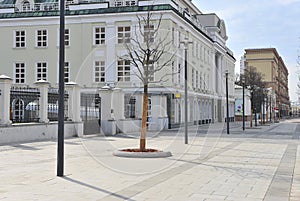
179,74
67,72
130,106
197,79
123,70
99,35
193,77
25,6
201,80
124,34
119,3
173,72
19,73
20,39
149,33
99,70
18,110
41,38
67,37
151,71
41,71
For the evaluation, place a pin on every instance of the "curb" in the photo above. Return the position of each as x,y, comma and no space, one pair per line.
159,154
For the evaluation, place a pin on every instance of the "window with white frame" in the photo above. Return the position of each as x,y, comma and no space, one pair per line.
99,35
67,72
25,6
20,39
19,73
41,38
99,71
123,70
124,34
41,71
149,33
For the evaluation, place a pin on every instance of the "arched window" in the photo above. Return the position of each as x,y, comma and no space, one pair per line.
26,6
18,110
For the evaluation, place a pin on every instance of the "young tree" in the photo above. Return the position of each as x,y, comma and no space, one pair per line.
254,83
149,51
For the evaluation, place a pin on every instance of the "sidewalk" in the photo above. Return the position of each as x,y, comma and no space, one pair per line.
216,167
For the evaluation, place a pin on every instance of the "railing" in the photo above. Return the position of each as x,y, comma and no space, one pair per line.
53,95
24,104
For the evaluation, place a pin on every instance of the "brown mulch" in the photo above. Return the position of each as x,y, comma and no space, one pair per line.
139,150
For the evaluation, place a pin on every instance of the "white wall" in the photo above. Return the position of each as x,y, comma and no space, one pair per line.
33,132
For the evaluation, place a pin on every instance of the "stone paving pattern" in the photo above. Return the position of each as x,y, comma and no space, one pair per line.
257,164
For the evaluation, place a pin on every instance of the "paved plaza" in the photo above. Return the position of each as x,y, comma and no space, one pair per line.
261,163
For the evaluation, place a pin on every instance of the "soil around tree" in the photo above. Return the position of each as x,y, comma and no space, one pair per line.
138,153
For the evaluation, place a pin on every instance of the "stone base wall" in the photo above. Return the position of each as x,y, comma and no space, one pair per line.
28,132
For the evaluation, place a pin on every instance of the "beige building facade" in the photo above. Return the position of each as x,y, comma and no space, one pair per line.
270,64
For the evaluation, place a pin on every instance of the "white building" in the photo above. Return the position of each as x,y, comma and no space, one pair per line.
94,37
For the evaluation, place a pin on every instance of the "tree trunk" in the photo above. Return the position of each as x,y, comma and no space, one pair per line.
144,119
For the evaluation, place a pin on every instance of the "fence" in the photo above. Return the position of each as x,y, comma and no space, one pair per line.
53,95
24,104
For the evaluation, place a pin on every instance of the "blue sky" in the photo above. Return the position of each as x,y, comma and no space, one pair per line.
261,24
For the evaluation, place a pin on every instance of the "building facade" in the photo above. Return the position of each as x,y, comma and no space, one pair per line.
95,33
270,64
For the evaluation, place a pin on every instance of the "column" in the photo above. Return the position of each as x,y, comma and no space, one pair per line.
43,87
118,103
73,90
5,85
110,63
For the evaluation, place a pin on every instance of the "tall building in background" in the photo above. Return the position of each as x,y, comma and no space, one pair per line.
270,64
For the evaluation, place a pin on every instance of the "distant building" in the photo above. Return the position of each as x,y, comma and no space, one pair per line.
275,75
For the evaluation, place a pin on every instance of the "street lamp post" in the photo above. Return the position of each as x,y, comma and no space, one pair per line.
186,42
60,135
227,104
243,108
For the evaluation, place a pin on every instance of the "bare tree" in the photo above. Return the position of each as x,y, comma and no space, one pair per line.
149,51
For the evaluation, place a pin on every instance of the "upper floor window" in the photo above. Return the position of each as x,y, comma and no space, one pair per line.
124,34
67,37
149,33
41,38
124,70
20,39
19,73
99,70
119,3
41,71
25,6
99,35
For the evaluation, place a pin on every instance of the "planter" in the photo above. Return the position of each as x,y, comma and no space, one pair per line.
137,153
